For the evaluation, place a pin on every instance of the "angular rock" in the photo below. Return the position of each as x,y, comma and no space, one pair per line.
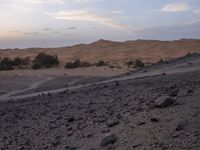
71,119
174,93
112,123
164,101
154,119
108,139
71,147
141,123
181,125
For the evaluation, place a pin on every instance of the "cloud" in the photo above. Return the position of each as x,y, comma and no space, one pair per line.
71,28
30,5
196,11
176,7
79,15
193,22
170,32
82,1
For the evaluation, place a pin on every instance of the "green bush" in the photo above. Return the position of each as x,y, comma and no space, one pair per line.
138,64
43,60
72,65
101,63
135,64
77,64
130,63
6,64
160,61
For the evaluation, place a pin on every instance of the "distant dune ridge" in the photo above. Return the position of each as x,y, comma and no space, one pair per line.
114,52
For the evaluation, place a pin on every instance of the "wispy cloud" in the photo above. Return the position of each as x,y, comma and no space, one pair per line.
81,15
71,28
196,11
176,7
193,22
30,5
82,1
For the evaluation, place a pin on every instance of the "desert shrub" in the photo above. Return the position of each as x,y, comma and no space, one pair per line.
43,60
6,64
135,64
36,66
138,64
85,64
160,61
26,61
76,64
130,63
18,61
101,63
71,65
21,62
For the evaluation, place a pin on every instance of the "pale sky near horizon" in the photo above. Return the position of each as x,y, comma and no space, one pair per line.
52,23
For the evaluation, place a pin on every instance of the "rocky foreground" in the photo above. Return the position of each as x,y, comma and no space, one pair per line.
152,113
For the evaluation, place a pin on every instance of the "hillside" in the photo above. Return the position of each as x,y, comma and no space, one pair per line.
147,50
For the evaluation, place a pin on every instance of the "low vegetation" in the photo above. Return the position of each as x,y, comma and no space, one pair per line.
101,63
6,64
43,60
135,64
138,64
9,64
77,64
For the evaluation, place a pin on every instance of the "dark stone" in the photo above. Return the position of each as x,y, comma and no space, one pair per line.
180,126
164,101
89,135
55,144
155,120
108,139
174,93
71,148
71,119
112,123
117,83
105,130
141,123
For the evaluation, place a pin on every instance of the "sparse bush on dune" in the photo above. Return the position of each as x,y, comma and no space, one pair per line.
6,64
85,64
77,64
135,64
138,64
43,60
101,63
130,63
72,65
160,61
21,62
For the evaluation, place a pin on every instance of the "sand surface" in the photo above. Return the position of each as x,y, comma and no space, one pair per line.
114,52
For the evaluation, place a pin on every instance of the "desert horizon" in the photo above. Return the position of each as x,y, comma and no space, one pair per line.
150,51
100,75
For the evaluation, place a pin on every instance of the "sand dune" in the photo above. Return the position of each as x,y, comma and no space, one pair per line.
115,52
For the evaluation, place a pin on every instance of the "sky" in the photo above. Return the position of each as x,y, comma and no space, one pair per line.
55,23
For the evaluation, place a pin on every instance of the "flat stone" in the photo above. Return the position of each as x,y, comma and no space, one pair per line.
112,123
164,101
108,139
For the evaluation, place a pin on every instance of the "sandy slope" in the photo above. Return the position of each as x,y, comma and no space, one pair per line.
116,52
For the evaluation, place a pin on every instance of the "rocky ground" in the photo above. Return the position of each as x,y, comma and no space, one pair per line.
62,82
151,113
